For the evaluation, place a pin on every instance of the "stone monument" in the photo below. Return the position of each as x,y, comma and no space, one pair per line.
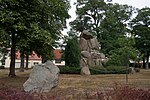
90,55
43,78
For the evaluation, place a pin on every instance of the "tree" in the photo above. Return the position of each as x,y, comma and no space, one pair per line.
141,30
106,21
90,13
72,52
120,56
109,22
114,26
19,17
4,40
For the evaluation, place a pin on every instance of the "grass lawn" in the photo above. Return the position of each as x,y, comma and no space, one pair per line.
76,84
140,80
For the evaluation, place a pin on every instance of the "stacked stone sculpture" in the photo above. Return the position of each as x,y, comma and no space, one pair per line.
90,55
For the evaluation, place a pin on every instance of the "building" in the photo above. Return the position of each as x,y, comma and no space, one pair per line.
35,59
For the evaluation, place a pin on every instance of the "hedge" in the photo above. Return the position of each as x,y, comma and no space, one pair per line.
96,71
108,70
69,70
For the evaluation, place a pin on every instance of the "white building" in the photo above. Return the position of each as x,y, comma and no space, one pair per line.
35,59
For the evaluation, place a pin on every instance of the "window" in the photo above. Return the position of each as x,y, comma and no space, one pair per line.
35,63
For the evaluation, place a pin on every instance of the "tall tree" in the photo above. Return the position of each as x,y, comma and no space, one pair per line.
121,55
114,26
72,52
90,13
141,32
108,22
17,18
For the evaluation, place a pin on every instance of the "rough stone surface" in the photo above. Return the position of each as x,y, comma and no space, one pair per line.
94,44
43,78
85,71
90,55
85,54
86,35
83,45
83,62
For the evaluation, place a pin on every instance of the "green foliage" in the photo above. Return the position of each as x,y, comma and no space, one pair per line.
95,71
141,30
69,70
30,24
114,26
72,52
107,70
89,15
121,56
109,23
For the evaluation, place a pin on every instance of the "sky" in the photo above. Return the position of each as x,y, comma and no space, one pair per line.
135,3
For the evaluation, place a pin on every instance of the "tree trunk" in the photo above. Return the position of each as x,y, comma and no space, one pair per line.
13,56
22,61
143,62
147,60
27,60
43,59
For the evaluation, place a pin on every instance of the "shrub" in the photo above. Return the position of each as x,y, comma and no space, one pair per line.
72,52
128,93
110,70
118,92
69,70
13,94
115,68
95,71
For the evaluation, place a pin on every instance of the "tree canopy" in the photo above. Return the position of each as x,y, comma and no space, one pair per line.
72,52
32,22
141,31
108,22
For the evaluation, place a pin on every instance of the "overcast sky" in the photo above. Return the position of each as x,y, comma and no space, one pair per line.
135,3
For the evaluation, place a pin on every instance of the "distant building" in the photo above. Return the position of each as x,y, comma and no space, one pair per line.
35,59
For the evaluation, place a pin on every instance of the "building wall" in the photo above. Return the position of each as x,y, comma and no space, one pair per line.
17,63
62,63
31,63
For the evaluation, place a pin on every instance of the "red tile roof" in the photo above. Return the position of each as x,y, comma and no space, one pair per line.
57,55
33,56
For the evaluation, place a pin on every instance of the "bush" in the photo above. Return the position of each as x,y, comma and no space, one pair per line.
2,67
13,94
72,52
110,70
69,70
115,68
128,93
95,71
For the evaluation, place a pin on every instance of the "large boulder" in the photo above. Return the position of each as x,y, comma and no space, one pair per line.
43,78
85,71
